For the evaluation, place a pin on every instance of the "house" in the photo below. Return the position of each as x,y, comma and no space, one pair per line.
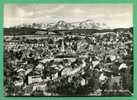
34,79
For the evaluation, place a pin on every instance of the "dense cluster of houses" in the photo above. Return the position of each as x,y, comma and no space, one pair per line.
68,64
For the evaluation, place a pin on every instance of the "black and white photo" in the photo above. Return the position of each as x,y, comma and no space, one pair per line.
68,50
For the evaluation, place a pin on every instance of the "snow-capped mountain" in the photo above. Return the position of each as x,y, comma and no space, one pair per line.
87,24
90,24
62,25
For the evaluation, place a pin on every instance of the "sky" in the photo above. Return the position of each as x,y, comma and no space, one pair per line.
114,15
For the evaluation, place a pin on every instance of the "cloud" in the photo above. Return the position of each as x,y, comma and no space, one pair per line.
43,13
78,11
21,12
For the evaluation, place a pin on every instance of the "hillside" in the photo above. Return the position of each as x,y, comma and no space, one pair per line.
33,31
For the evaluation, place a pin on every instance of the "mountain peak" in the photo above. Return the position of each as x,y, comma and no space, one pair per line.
89,20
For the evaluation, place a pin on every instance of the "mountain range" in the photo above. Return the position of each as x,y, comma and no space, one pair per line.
63,25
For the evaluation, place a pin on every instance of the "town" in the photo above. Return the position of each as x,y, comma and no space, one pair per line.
69,63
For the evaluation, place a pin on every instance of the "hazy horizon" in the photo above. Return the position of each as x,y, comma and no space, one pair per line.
114,15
